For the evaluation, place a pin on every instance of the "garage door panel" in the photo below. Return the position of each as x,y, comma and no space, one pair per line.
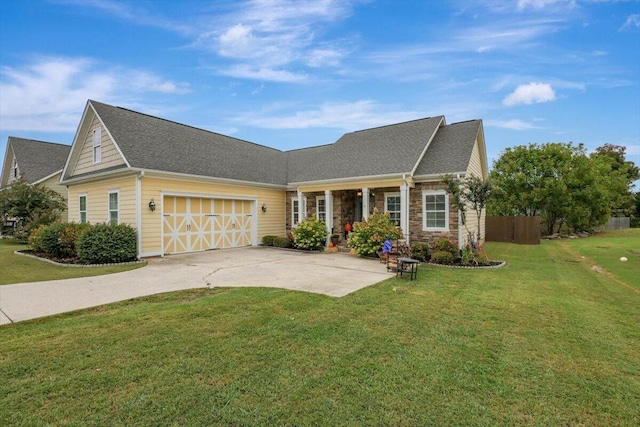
196,224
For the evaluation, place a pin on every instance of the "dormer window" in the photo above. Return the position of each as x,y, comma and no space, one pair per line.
97,145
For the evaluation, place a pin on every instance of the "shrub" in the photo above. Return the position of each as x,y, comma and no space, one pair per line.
35,239
310,234
442,257
420,251
281,242
368,236
268,240
107,243
58,240
445,245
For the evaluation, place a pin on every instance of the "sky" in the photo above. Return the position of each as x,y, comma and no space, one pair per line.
299,73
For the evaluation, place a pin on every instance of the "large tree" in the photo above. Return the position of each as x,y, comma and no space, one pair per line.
620,175
30,205
557,181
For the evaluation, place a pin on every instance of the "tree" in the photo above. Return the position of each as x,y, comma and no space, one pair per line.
30,205
620,175
557,181
469,192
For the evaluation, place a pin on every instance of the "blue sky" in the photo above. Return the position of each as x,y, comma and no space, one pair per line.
291,74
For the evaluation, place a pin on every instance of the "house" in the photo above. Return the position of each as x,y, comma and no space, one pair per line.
36,162
186,189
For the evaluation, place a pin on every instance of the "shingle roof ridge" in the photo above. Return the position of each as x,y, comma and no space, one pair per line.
186,125
464,121
310,147
39,141
396,124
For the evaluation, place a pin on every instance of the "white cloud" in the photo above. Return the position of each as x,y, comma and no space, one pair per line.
513,124
49,93
531,93
246,71
349,116
633,21
541,4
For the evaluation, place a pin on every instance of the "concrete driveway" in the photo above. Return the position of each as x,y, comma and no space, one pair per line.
335,274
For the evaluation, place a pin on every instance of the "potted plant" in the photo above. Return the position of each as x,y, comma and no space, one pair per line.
335,238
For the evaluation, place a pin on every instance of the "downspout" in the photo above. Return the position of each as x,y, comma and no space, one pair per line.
139,213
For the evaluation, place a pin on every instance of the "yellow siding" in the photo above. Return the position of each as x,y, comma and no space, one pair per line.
475,169
97,200
271,222
110,154
52,183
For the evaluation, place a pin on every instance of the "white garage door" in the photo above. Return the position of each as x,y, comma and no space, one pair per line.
196,224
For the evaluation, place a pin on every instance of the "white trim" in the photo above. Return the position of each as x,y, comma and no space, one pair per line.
208,195
139,213
86,207
435,177
443,122
47,177
389,176
96,147
297,199
386,205
318,198
424,210
365,203
109,193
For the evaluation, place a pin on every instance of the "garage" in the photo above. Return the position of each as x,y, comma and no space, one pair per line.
192,224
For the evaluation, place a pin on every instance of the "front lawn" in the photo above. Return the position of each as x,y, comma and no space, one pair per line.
544,341
20,269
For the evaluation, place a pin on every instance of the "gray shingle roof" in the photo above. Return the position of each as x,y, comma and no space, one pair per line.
149,142
38,159
392,149
451,149
153,143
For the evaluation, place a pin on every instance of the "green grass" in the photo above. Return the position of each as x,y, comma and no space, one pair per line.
544,341
606,249
20,269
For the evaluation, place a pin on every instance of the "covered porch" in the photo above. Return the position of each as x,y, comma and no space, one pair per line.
337,205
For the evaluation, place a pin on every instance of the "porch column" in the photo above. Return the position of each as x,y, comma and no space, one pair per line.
365,203
328,206
302,207
404,210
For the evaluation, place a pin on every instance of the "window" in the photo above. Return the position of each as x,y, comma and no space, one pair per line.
321,208
392,205
14,165
97,145
435,214
295,211
114,211
83,208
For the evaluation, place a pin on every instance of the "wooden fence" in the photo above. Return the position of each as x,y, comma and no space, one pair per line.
616,223
513,229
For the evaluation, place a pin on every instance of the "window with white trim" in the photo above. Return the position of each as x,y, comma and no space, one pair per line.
435,210
97,145
295,211
82,203
321,208
114,207
392,205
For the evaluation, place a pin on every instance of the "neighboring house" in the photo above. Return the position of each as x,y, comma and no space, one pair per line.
36,162
186,189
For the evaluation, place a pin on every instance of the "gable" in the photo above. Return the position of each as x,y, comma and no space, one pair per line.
35,160
452,150
8,167
82,159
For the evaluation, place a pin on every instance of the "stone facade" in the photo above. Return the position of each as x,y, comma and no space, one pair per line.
344,209
416,218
